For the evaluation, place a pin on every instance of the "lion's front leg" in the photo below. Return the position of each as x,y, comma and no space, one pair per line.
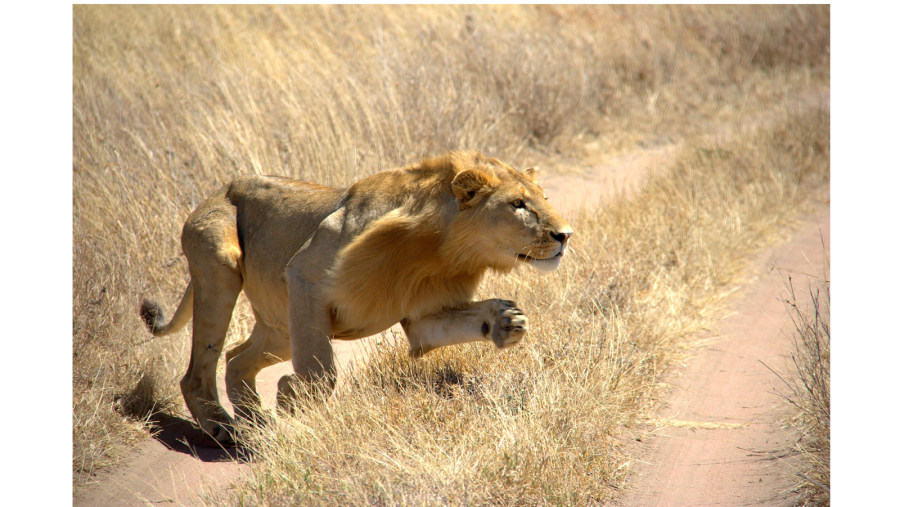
309,317
496,320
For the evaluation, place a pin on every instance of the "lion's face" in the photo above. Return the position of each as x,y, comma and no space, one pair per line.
515,222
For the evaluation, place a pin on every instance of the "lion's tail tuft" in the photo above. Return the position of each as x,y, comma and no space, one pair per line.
153,317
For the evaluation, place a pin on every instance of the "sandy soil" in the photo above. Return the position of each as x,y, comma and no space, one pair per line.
721,436
726,386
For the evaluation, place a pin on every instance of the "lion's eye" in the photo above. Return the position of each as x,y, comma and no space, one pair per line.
518,204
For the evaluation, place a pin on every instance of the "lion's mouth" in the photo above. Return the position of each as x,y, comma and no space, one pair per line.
542,265
528,258
547,264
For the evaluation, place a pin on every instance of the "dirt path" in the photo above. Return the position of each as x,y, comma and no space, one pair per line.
720,438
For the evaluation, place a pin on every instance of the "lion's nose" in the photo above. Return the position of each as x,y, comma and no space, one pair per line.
562,236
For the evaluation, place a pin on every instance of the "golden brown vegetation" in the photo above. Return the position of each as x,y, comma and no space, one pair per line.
170,102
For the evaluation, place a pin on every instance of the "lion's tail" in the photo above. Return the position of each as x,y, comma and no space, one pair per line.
152,314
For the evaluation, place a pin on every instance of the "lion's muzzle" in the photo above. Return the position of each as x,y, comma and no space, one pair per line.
563,237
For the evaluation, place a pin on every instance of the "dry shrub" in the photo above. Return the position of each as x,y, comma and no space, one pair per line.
172,101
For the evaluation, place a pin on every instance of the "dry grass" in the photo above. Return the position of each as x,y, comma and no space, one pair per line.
809,389
170,102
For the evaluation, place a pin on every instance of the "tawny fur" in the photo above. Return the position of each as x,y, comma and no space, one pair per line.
406,245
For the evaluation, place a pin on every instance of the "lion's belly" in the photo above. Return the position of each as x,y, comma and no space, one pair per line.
344,331
269,301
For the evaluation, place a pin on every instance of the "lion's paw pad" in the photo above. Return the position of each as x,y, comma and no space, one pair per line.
510,324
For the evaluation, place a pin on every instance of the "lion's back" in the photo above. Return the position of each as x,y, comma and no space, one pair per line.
276,215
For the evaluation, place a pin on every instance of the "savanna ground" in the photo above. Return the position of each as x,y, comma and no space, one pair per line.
171,102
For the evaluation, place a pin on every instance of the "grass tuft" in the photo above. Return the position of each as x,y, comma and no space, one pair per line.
809,389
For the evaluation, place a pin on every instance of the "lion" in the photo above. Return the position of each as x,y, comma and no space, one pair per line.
317,264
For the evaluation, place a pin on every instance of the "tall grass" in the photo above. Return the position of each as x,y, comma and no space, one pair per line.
170,102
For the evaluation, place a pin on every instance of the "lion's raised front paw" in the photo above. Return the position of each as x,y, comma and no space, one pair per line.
509,326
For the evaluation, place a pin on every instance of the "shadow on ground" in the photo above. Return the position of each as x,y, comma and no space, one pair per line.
183,436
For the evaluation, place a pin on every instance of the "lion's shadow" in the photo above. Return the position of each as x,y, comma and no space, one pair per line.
181,435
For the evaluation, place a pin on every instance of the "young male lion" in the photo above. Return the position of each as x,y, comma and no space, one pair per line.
407,245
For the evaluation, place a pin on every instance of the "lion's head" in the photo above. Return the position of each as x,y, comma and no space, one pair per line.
461,214
506,214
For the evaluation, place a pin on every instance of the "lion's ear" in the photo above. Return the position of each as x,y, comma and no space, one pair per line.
467,183
530,174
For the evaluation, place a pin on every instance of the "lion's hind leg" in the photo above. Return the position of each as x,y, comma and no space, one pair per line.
264,348
212,314
496,320
209,240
